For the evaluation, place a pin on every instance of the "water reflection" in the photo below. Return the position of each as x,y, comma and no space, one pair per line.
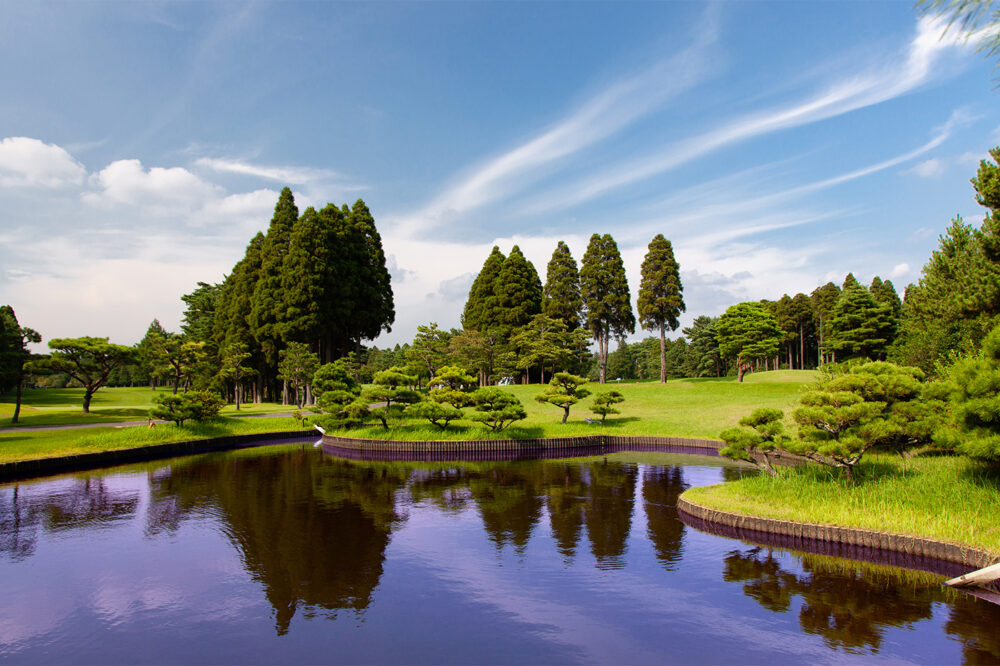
314,534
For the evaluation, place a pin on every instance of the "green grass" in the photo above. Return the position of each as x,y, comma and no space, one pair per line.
30,445
940,497
43,407
679,408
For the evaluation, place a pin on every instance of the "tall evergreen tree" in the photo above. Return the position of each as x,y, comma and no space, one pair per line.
517,292
704,347
561,296
232,325
480,306
266,308
884,293
823,301
859,326
376,311
660,294
606,298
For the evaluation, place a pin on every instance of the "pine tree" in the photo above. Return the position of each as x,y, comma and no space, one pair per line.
14,354
517,292
231,324
859,326
660,298
376,311
561,296
606,298
748,332
303,279
884,293
479,306
823,301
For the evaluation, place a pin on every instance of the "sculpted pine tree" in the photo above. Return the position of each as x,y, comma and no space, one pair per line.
606,298
480,306
660,294
88,360
561,296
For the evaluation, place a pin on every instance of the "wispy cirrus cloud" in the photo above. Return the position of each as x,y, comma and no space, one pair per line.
288,175
841,97
600,117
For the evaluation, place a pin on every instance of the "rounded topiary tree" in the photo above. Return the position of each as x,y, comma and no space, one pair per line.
564,391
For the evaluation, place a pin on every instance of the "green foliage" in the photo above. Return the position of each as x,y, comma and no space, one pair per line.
975,403
430,348
390,390
193,406
860,327
660,294
297,365
438,413
174,358
337,390
823,300
561,296
603,404
14,354
564,391
267,308
607,301
756,438
480,308
748,332
496,409
517,291
88,360
543,341
452,385
231,367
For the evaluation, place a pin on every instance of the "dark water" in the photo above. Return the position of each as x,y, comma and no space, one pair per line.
284,555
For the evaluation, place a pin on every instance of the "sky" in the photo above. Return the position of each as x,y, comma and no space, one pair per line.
778,145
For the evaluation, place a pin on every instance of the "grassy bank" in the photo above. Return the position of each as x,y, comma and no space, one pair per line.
679,408
41,407
945,498
28,445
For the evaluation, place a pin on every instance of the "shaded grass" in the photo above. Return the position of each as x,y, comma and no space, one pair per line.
679,408
30,445
940,497
41,407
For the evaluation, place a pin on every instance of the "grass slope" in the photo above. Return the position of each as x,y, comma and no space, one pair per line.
65,406
941,497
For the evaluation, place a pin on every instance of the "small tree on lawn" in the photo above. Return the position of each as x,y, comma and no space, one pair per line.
438,413
603,404
452,385
392,388
748,332
193,405
564,391
88,360
335,387
14,354
297,365
760,434
233,358
497,409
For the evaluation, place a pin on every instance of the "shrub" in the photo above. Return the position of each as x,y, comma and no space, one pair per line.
497,409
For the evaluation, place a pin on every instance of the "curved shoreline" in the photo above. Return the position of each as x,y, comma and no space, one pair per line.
38,467
909,547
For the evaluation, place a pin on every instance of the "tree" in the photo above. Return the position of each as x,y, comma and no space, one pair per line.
542,341
479,313
297,365
390,387
174,357
660,298
517,292
88,360
606,298
430,347
193,405
885,294
231,324
438,413
975,403
748,332
860,327
704,346
561,296
757,438
564,391
603,404
452,385
14,341
337,391
232,367
496,409
824,299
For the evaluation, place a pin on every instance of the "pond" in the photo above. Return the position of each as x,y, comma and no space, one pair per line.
284,554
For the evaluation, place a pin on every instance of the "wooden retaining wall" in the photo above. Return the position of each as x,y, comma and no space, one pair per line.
510,449
44,466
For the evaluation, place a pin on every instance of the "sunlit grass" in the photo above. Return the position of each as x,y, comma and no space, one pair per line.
941,497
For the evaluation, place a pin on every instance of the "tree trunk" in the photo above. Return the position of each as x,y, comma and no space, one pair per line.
87,395
791,365
565,414
802,348
663,355
284,392
236,393
17,402
602,351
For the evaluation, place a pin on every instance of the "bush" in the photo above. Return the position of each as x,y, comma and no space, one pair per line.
497,409
193,406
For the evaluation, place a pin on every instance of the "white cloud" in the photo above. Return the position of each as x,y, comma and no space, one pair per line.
288,175
849,94
26,162
158,190
928,168
899,270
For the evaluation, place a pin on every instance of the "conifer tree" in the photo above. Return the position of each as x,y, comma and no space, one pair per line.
884,293
660,294
748,332
231,324
14,354
480,305
823,301
266,307
303,289
561,296
375,311
859,326
517,291
606,298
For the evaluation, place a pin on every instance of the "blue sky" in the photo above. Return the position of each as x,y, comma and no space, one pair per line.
778,145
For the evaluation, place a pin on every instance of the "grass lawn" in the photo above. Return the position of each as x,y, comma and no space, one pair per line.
941,497
65,406
679,408
29,445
